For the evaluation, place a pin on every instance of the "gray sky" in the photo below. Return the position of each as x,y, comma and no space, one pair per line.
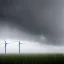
33,20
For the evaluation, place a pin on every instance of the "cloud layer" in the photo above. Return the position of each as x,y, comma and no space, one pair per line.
37,17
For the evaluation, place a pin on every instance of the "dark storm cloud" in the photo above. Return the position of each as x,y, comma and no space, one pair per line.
37,16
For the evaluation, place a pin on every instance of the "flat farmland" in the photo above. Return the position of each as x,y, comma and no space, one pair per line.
31,58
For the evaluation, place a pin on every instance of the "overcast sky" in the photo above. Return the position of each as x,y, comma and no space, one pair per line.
40,21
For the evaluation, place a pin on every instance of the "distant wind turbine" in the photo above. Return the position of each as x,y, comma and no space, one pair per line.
5,46
19,47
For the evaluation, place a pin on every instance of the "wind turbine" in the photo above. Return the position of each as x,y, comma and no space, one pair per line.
19,47
5,46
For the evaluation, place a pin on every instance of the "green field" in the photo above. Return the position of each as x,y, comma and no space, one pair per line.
31,58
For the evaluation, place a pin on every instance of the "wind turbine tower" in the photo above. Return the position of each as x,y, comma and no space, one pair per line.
19,47
5,46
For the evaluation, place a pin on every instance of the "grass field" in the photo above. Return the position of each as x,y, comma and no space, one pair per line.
31,58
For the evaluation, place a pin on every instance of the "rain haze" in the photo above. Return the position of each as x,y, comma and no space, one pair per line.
37,24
